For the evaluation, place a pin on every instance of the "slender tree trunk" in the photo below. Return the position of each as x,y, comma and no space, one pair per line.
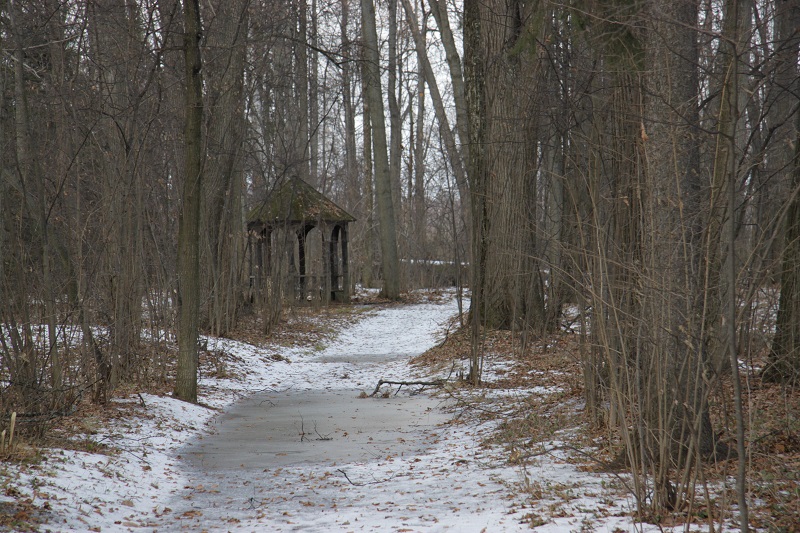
474,72
457,80
369,202
32,172
454,156
301,91
351,164
222,226
390,261
395,121
30,176
189,223
419,220
313,101
735,11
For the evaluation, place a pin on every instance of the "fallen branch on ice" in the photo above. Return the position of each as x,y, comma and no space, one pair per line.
381,382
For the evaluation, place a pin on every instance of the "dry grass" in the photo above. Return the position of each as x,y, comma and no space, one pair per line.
772,412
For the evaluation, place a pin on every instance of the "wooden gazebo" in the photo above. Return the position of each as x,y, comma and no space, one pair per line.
295,208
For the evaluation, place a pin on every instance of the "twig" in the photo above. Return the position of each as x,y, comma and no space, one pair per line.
376,482
302,429
320,437
446,334
610,467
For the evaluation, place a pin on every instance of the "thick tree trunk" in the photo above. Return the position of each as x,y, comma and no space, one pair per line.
189,223
785,354
512,292
113,30
386,215
784,364
368,275
679,401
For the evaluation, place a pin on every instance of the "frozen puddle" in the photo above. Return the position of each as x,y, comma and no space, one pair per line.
322,428
316,456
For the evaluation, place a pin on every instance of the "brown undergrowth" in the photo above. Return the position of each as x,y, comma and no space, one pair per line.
549,368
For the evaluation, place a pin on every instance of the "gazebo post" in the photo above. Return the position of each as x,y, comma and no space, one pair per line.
345,264
301,260
327,264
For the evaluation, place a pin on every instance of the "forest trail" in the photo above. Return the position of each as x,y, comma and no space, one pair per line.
310,454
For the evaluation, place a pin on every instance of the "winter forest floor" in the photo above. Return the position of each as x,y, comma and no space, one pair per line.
512,455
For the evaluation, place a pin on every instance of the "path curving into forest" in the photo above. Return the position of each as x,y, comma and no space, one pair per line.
309,454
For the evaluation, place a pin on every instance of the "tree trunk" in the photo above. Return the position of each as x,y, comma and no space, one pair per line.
189,223
439,11
454,156
457,79
313,101
678,400
417,184
512,292
113,32
368,275
222,228
475,99
301,91
395,122
386,215
784,364
351,165
32,181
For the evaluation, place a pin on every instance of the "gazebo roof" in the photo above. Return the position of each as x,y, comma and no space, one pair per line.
297,202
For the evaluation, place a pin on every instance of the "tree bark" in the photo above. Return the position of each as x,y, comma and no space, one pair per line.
453,153
784,363
301,81
351,164
32,181
475,99
388,235
439,11
222,227
189,223
395,121
369,190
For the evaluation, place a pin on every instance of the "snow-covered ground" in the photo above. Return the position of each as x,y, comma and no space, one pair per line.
454,483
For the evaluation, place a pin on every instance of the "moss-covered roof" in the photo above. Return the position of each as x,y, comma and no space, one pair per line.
297,202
